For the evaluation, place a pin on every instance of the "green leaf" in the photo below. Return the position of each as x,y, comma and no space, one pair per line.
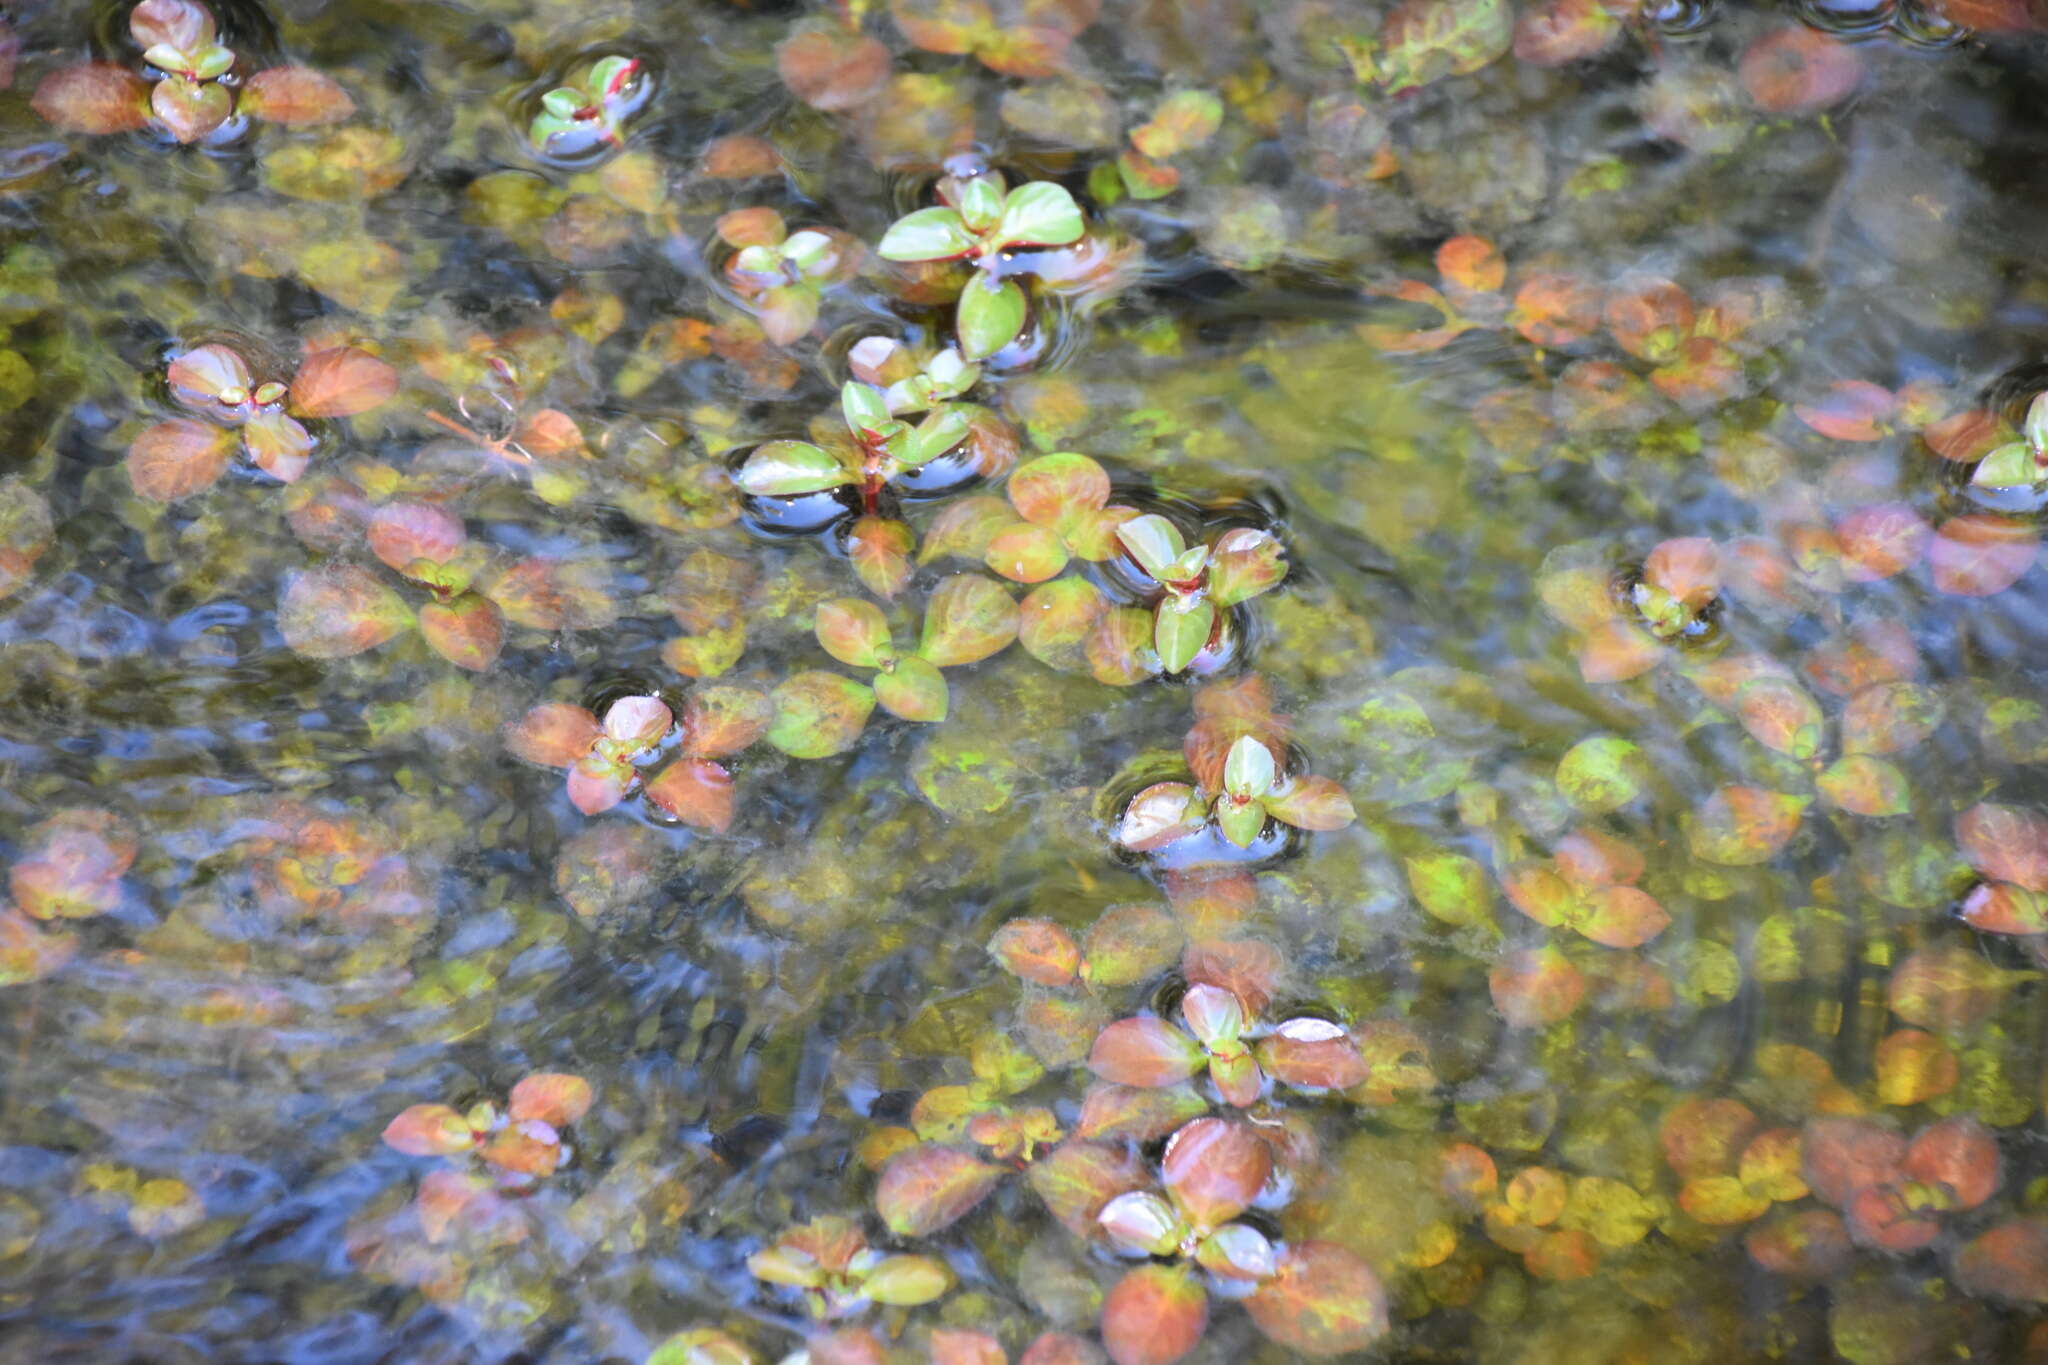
981,203
2009,466
854,632
2036,426
935,234
818,714
1180,630
914,689
1248,769
1240,823
864,406
1153,541
968,619
991,315
1451,887
782,469
1039,214
1244,563
811,252
938,433
1602,774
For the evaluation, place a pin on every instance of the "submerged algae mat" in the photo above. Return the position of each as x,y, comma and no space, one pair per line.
1023,680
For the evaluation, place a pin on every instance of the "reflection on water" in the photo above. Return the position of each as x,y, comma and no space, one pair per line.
1581,900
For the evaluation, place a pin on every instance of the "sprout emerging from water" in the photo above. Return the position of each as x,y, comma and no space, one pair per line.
590,110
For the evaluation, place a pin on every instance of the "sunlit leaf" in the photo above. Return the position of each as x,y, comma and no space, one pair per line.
1914,1067
278,445
341,381
1312,803
553,1097
1158,815
990,317
879,550
1181,630
339,610
1214,1168
853,631
1243,564
1054,621
1979,554
1077,1178
786,468
1780,715
1038,214
1426,40
968,618
596,783
429,1130
1948,987
965,527
1555,310
832,69
1616,651
2001,908
1144,1051
1037,950
1603,773
719,721
819,714
1854,409
189,110
697,792
912,688
934,234
183,25
1140,1113
1312,1054
1622,917
1880,540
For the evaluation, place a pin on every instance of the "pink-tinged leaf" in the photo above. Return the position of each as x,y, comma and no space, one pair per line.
830,68
1244,563
1781,715
1026,553
697,792
1312,1054
1558,32
1648,318
1139,1113
1537,890
926,1189
1884,1218
554,734
2009,1261
1248,968
913,689
1852,410
468,631
955,1346
1979,554
1948,988
339,610
1880,540
277,445
189,110
1704,1137
1144,1051
1237,1079
1800,70
965,528
1059,1348
178,458
528,1148
1701,373
294,95
1967,436
1214,1168
879,550
403,534
1038,951
198,377
1616,651
1325,1301
1809,1244
2006,843
554,1097
1055,489
71,864
853,631
429,1130
1055,619
186,25
1622,917
1215,1016
28,953
1890,718
596,784
341,381
819,714
758,225
1119,647
1864,785
1129,944
638,721
1589,859
969,618
1913,1067
1688,568
93,97
1743,826
1844,1156
1871,652
1534,987
1159,815
720,721
2001,908
1077,1178
1312,803
1154,1315
844,1346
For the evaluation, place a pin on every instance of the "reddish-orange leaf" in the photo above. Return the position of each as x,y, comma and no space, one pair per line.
1700,373
406,533
1142,1115
338,610
178,458
697,792
1558,32
1648,318
1689,568
719,721
1799,70
554,733
1881,540
529,1148
1979,554
468,631
1872,652
1249,968
1890,718
1705,1137
2010,1261
1851,410
1468,1176
294,94
1555,310
1533,987
1154,1315
553,1097
1313,1054
929,1188
1537,890
1146,1051
957,1346
1077,1178
1622,917
341,382
1616,651
2001,908
1472,263
1843,1156
1809,1244
831,68
1780,715
1325,1301
1059,1348
1884,1217
2006,843
93,97
1742,826
429,1130
1214,1168
1967,436
1588,858
1949,987
1037,950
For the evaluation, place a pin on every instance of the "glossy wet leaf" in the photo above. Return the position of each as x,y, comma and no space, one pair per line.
1157,816
933,234
818,714
1037,950
991,315
697,792
1154,1315
1038,214
786,468
967,619
178,458
1313,1054
929,1188
1324,1301
2000,908
1243,564
189,110
277,445
1312,802
1214,1168
1181,630
1144,1051
1076,1179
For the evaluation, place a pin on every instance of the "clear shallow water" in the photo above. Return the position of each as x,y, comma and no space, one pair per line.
348,896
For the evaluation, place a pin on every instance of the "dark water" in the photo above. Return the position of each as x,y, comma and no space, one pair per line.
1642,597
